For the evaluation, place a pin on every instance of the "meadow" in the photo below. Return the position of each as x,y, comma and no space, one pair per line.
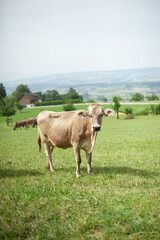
121,201
33,112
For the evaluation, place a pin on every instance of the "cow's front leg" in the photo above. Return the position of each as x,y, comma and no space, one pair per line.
48,152
78,160
89,159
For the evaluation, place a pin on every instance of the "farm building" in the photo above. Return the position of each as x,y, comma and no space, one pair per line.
29,99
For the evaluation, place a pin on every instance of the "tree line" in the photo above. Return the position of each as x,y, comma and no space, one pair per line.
50,95
9,104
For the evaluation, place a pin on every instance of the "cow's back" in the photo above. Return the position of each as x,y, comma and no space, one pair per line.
62,129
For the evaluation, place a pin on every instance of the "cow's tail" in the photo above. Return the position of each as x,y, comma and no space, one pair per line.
39,141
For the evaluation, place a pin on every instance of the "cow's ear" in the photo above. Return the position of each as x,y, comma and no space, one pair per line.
108,112
82,113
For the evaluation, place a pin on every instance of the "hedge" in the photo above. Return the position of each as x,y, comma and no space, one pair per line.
57,102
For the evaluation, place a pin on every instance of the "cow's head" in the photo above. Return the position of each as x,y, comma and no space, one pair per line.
95,113
15,127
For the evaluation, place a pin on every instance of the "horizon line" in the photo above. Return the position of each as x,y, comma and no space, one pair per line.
115,70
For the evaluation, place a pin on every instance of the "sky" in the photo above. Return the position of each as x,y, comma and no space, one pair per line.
43,37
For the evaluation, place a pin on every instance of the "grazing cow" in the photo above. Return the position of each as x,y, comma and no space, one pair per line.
20,124
77,129
32,121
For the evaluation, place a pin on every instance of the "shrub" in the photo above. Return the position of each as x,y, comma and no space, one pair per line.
129,112
91,101
69,106
152,109
143,112
157,109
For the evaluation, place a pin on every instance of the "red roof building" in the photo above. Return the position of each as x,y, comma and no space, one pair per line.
30,98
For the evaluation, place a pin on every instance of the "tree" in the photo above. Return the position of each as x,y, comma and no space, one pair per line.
2,92
137,97
52,95
104,99
19,92
72,94
8,108
116,104
153,97
18,106
91,100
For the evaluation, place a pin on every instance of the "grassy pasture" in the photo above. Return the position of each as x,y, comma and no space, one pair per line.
33,112
120,201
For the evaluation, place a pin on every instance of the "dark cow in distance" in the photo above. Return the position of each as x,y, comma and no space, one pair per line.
77,129
20,124
32,121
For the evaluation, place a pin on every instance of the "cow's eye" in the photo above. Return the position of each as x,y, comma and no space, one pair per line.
90,115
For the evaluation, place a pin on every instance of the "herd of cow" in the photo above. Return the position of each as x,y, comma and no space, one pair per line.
25,123
77,129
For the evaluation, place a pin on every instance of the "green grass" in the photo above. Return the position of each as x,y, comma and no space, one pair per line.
33,112
120,201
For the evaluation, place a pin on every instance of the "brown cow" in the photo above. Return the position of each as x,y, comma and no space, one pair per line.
32,121
20,124
77,129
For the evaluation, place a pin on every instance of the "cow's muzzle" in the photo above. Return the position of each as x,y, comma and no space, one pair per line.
96,128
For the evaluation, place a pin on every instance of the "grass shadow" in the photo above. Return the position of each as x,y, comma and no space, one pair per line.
11,173
124,170
113,170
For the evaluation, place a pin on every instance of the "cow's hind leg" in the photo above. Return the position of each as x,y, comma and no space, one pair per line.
89,159
48,151
78,160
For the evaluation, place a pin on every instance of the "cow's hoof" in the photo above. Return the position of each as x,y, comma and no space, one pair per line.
78,175
48,168
90,172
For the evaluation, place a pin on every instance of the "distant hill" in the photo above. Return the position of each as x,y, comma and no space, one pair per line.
97,84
